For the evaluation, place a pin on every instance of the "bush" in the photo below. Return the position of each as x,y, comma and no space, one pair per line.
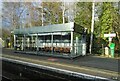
98,45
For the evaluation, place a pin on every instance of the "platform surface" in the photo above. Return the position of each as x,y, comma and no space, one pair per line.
97,66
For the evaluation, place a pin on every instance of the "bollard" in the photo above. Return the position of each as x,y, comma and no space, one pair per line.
106,51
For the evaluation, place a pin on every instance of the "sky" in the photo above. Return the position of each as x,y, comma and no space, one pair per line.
24,18
24,14
0,14
60,0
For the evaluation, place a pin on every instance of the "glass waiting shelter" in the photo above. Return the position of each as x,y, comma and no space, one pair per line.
59,40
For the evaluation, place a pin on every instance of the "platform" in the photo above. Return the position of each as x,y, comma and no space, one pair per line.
90,65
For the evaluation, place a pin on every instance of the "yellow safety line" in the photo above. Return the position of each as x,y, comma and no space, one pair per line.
67,65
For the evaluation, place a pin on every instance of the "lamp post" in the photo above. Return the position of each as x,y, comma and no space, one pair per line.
63,11
42,14
92,27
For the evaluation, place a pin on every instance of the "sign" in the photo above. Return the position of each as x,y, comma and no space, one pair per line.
110,35
110,38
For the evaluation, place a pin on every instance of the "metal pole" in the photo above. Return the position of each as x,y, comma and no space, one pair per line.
42,14
32,42
68,13
52,41
37,41
14,41
24,42
28,41
63,12
71,42
92,27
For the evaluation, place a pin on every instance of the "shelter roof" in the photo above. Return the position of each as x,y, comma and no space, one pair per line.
46,29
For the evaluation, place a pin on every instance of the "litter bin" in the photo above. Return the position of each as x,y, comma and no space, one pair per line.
112,46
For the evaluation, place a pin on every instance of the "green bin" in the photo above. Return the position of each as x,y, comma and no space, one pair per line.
112,46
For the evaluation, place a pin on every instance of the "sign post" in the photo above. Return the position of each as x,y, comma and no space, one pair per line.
111,35
111,45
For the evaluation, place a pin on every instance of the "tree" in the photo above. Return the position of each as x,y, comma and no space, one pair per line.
108,22
84,14
10,17
53,12
106,18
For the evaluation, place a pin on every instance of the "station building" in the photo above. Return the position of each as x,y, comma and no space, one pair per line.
59,40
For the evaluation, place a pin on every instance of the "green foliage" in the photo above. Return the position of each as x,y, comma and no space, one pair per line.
107,18
53,13
108,21
84,14
97,29
5,33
